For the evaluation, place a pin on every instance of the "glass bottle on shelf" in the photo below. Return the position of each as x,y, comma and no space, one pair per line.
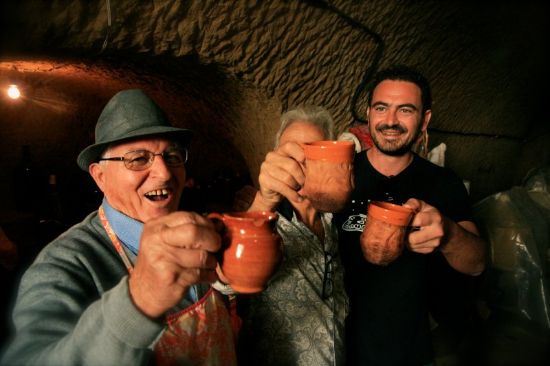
26,182
52,215
53,205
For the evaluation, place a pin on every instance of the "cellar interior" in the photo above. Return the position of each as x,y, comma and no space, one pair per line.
227,70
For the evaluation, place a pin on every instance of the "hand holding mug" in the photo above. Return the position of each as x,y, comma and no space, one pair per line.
281,175
431,227
176,251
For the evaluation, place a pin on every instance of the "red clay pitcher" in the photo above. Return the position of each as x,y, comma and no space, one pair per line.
252,249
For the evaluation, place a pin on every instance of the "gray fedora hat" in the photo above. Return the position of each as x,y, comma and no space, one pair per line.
128,115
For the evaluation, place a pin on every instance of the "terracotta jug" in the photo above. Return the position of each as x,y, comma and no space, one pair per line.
252,249
386,227
329,174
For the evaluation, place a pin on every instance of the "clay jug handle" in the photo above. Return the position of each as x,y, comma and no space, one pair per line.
217,220
215,215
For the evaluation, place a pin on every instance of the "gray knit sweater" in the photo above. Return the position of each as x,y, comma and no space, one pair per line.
73,306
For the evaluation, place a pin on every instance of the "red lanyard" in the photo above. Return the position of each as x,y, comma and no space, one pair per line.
114,239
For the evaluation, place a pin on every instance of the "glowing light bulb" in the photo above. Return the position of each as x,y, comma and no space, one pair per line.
13,92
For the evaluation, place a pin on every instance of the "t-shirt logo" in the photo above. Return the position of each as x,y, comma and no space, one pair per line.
354,223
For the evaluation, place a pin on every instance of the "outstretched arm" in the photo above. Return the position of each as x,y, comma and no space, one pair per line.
77,306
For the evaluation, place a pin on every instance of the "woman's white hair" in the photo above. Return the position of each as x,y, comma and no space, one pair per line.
317,116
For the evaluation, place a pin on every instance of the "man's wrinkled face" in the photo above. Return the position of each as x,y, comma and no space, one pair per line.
395,116
145,194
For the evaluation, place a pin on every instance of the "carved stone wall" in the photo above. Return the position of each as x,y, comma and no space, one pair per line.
484,60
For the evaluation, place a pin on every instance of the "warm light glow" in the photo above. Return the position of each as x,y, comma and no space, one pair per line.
13,92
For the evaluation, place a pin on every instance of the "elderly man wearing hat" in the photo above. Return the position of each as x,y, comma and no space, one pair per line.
130,284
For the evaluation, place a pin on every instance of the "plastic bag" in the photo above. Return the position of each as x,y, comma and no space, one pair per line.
516,223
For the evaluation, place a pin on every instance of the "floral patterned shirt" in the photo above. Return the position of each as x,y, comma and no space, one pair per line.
299,318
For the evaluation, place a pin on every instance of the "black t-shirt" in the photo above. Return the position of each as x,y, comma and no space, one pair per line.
388,322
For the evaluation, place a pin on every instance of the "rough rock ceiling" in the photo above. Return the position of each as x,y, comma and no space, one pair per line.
486,62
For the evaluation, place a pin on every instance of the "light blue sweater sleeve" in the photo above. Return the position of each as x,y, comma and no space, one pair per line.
74,307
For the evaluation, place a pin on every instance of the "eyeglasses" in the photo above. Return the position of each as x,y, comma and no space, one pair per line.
327,276
143,159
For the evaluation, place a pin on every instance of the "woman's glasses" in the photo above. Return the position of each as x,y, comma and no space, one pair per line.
327,276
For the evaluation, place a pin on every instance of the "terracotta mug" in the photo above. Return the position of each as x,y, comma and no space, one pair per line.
329,174
252,249
386,227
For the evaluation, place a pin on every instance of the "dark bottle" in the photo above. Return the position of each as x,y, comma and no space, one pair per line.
52,213
26,183
53,207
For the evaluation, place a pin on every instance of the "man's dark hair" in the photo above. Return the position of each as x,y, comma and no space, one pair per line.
403,73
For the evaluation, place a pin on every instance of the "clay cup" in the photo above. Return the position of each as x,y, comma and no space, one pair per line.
329,174
251,250
386,227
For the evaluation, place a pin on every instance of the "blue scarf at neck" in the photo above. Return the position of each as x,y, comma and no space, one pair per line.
126,228
128,231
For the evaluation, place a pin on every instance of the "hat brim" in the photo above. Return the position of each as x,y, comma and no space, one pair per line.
92,153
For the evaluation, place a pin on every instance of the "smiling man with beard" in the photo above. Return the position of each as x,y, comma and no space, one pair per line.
388,322
130,284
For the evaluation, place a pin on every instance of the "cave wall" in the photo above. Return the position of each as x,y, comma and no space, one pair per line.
485,60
